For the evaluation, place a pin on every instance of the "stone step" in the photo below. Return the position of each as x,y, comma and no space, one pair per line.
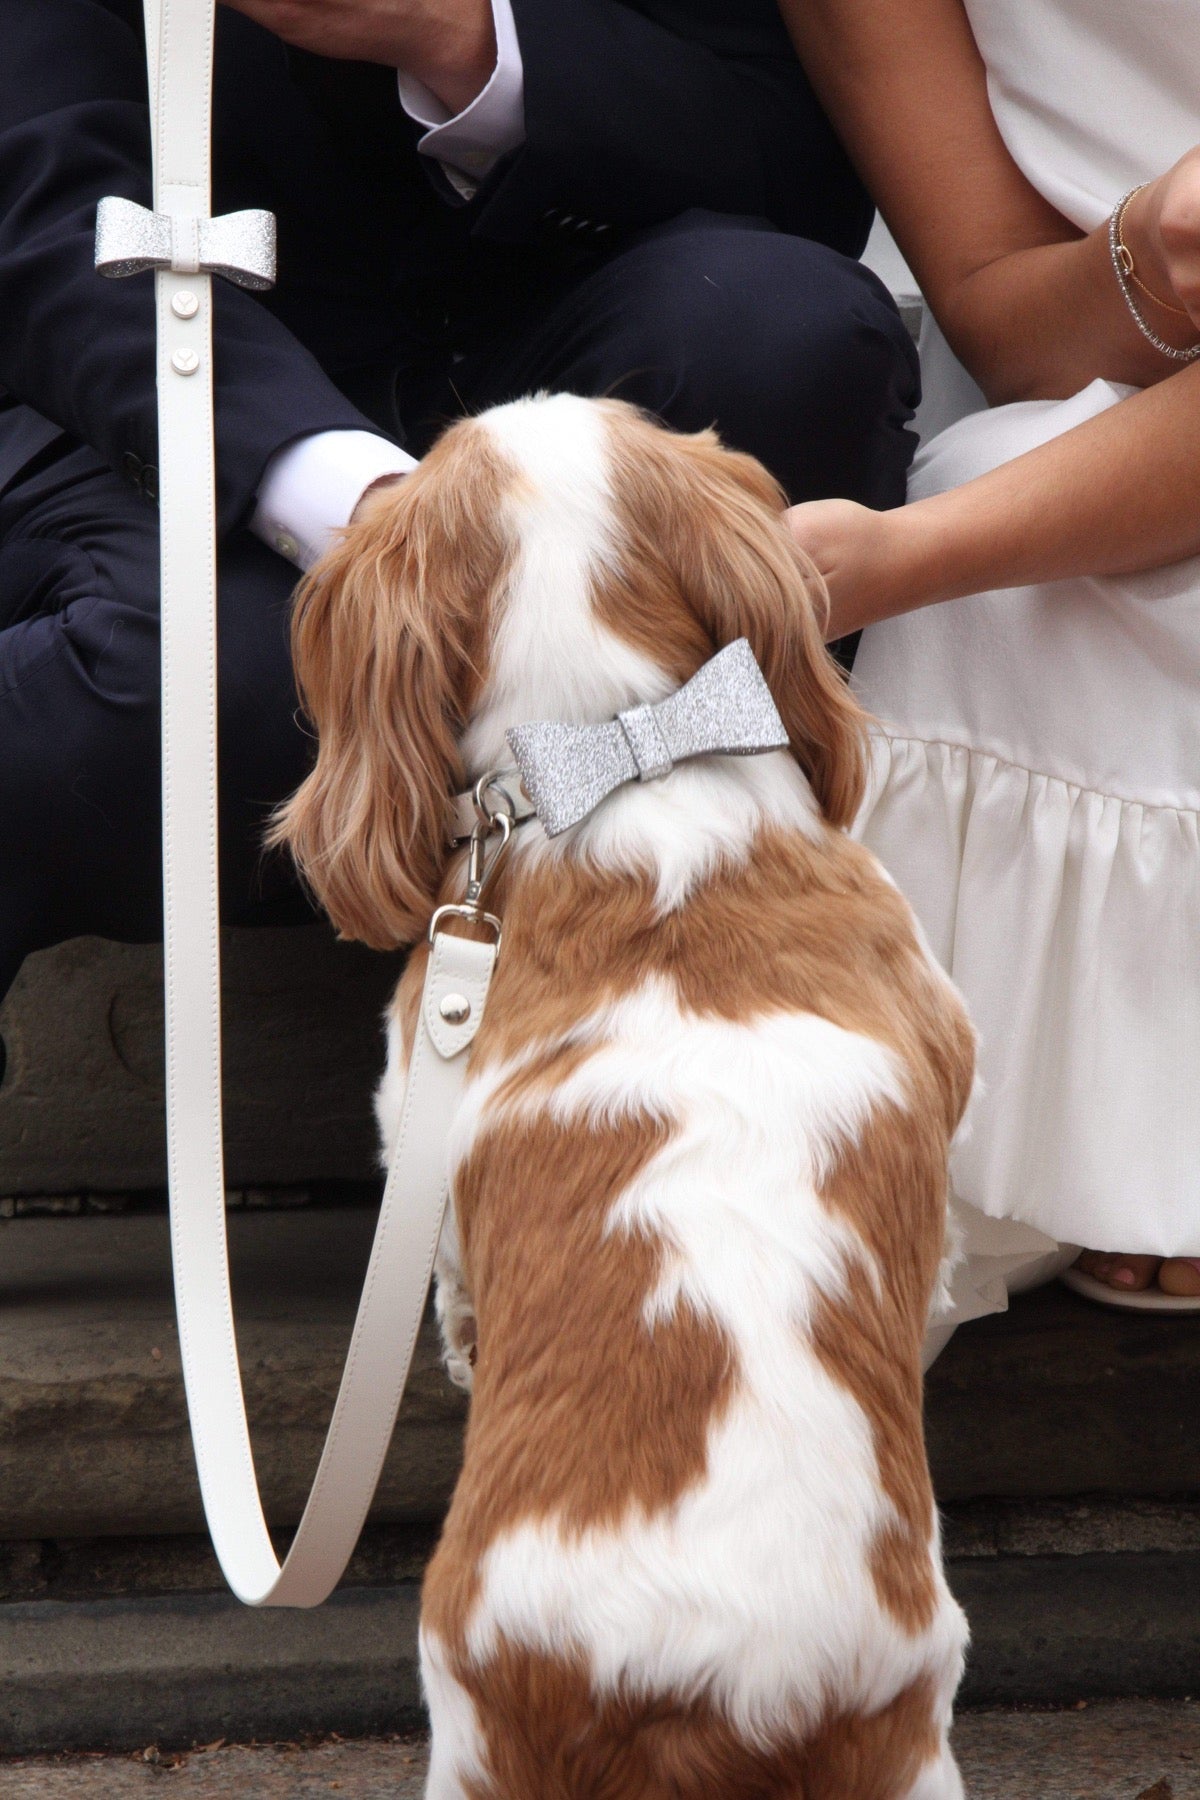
1070,1597
93,1425
1058,1398
81,1060
1129,1751
113,1645
1061,1397
114,1674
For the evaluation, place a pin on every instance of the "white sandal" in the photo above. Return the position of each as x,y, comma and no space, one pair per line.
1144,1300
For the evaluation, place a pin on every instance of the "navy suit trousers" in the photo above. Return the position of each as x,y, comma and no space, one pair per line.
793,351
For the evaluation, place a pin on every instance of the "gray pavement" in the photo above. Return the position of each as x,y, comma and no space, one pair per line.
1128,1750
380,1769
1141,1750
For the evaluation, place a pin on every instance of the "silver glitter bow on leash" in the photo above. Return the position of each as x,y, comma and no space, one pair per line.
726,709
240,246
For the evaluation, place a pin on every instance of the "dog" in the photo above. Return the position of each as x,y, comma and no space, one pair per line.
699,1170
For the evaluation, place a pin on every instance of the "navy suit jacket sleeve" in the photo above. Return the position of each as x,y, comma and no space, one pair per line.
74,126
636,112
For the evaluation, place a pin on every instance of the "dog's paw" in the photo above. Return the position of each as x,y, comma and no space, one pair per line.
460,1368
455,1316
459,1343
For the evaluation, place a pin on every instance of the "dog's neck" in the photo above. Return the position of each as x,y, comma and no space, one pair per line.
680,827
553,658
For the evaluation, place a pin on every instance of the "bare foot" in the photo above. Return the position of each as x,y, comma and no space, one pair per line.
1178,1275
1132,1273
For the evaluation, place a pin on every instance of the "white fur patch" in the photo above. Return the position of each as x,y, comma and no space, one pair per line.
457,1754
939,1780
755,1589
551,657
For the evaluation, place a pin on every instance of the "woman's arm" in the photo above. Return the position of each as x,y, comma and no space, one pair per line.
1029,304
1117,495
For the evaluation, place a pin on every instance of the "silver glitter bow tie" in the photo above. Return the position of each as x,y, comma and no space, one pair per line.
240,246
726,709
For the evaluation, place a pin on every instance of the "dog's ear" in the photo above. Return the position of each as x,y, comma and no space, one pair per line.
716,517
389,635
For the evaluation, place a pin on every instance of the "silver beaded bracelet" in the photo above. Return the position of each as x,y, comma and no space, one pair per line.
1119,255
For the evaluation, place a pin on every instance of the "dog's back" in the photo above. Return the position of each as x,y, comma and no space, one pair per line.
693,1551
699,1193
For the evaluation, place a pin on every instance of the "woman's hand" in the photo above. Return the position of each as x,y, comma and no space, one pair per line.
1162,231
864,557
1113,496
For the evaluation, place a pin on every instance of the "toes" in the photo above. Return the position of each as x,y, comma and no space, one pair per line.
1132,1273
1180,1275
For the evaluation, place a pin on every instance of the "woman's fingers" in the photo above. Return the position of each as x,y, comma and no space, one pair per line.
1179,231
857,552
1162,231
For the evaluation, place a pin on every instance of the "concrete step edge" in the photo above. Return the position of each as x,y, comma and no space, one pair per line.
183,1669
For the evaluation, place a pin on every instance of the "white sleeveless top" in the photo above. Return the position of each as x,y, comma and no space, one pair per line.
1037,775
1091,96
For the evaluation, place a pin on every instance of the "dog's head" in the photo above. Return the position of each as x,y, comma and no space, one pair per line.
553,559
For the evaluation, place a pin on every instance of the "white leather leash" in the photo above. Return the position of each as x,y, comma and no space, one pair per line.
179,41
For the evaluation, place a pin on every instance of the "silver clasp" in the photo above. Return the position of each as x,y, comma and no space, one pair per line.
492,820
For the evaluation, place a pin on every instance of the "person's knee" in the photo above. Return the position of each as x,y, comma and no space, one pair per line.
796,353
79,792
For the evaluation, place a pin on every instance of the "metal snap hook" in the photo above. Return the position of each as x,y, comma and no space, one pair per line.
482,868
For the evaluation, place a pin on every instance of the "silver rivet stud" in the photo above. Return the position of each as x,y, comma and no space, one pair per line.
455,1008
185,304
185,362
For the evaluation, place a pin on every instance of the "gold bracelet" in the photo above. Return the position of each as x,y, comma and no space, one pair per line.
1122,265
1127,263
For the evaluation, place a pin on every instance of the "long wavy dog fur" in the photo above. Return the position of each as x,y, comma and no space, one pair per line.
699,1195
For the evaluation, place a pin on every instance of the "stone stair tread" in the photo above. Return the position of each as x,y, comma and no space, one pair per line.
1108,1752
1061,1397
184,1669
81,1099
93,1426
1058,1398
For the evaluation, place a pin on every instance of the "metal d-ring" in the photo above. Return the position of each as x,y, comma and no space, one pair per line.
493,783
472,914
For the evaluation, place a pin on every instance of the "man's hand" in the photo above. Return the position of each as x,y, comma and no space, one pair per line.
449,45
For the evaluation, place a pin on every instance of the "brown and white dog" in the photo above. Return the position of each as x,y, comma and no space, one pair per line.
699,1196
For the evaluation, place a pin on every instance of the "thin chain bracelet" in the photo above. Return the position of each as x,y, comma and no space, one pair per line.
1116,248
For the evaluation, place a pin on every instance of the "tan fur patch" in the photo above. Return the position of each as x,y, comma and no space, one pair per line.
707,558
581,1412
800,926
390,637
548,1737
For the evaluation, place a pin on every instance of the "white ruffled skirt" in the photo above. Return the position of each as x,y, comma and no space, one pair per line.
1036,794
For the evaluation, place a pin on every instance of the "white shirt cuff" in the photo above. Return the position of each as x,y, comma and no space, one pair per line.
310,489
469,144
